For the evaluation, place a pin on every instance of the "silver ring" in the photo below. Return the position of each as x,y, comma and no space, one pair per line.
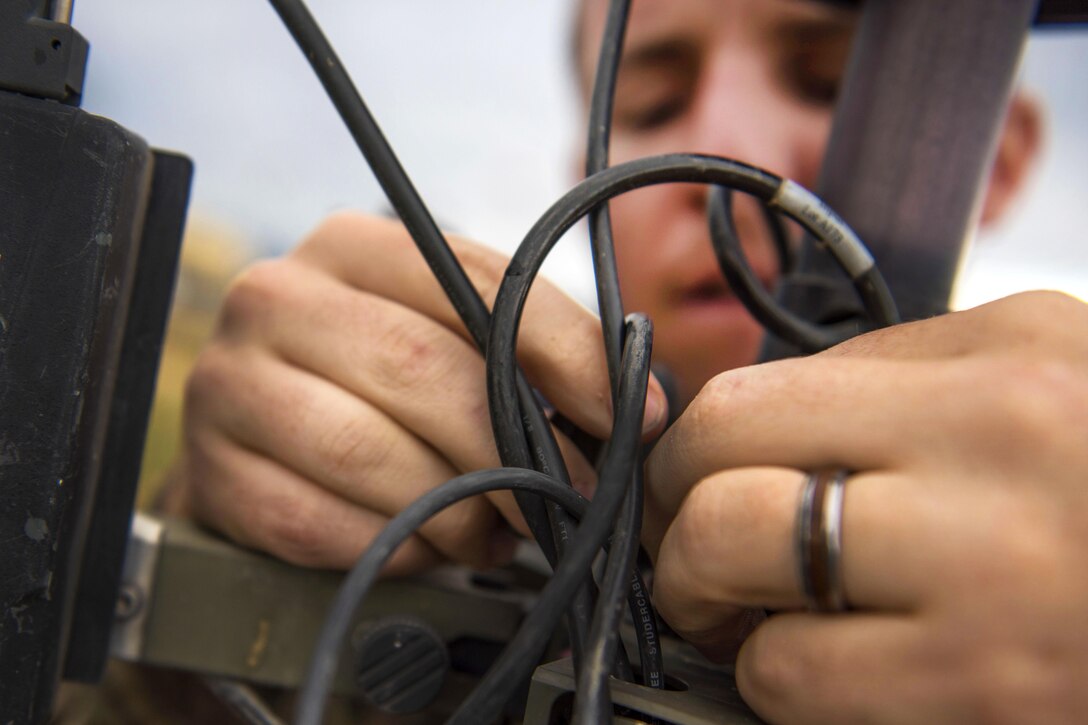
819,541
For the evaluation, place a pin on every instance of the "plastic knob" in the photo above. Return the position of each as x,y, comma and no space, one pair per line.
401,665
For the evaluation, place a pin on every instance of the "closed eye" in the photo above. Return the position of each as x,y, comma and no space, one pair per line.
655,84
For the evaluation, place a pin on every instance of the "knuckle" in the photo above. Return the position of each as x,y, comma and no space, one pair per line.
1042,401
717,407
720,395
254,292
212,377
1060,394
1043,318
1037,307
350,227
1031,540
355,447
1015,688
419,356
291,529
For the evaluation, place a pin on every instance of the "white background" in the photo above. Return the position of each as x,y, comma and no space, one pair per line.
477,98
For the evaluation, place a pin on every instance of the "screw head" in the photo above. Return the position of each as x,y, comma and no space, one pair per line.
130,600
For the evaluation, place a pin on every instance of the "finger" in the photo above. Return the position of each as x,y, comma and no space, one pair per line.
261,504
339,442
733,546
425,377
822,412
859,667
973,415
377,350
1016,325
560,344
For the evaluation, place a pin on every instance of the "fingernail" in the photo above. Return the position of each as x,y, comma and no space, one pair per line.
657,407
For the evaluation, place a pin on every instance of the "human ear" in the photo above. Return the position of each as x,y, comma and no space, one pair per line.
1017,149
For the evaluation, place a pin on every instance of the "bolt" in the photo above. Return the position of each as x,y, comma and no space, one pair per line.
130,600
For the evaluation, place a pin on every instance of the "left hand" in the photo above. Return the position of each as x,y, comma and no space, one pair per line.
965,523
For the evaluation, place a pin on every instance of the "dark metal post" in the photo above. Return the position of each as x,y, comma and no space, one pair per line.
922,103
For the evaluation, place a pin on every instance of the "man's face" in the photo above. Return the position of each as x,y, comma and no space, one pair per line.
753,80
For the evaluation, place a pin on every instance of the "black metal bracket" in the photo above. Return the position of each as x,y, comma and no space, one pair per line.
39,56
913,137
89,238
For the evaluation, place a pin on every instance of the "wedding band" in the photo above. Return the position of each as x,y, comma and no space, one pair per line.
819,541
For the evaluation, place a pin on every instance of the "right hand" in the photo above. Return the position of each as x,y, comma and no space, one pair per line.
340,386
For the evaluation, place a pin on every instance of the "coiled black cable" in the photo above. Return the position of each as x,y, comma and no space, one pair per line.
748,288
759,301
335,630
609,300
520,656
601,639
522,433
593,703
526,263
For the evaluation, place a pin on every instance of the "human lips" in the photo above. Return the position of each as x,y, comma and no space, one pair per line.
706,292
712,292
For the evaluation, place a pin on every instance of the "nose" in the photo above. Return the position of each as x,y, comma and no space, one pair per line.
739,113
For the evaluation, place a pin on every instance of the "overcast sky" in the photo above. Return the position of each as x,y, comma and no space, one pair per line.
475,97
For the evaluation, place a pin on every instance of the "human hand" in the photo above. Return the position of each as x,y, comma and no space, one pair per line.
965,547
341,385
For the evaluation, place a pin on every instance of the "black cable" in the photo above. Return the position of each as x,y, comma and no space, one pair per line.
319,676
644,620
878,299
791,199
549,525
609,299
845,247
746,285
593,702
520,656
385,165
420,224
604,185
761,303
592,191
242,701
522,432
526,264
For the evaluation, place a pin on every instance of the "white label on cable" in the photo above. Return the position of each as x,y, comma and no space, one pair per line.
801,203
